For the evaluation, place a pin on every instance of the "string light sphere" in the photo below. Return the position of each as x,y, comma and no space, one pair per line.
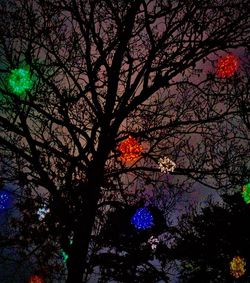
246,193
42,211
20,81
36,279
142,219
65,256
153,242
130,149
237,267
166,165
227,66
5,200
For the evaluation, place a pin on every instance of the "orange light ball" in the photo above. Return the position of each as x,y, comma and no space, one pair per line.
237,267
36,279
227,66
130,149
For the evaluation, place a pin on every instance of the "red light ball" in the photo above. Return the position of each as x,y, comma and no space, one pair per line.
36,279
227,66
130,149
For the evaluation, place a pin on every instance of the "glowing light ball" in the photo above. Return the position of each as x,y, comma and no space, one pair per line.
246,193
65,256
166,165
153,242
130,149
20,81
227,66
42,212
36,279
5,200
142,219
237,267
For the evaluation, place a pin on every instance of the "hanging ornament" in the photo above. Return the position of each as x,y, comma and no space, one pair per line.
246,193
153,242
20,81
36,279
130,149
237,267
5,200
166,165
42,211
227,66
142,219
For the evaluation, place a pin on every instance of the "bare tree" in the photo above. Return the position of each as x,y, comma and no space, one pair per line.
105,70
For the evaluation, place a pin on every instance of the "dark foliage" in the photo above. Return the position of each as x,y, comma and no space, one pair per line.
209,239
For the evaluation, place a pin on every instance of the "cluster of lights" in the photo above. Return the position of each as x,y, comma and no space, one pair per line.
130,149
237,267
227,66
20,81
166,165
65,256
42,211
36,279
5,200
142,219
153,242
246,193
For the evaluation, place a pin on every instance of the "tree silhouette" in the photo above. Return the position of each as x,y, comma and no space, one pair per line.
217,234
125,253
102,71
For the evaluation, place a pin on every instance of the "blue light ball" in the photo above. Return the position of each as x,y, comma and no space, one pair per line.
142,219
5,200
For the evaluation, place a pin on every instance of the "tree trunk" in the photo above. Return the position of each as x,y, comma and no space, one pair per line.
77,260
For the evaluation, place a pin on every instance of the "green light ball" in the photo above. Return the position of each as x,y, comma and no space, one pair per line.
20,81
65,256
246,193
